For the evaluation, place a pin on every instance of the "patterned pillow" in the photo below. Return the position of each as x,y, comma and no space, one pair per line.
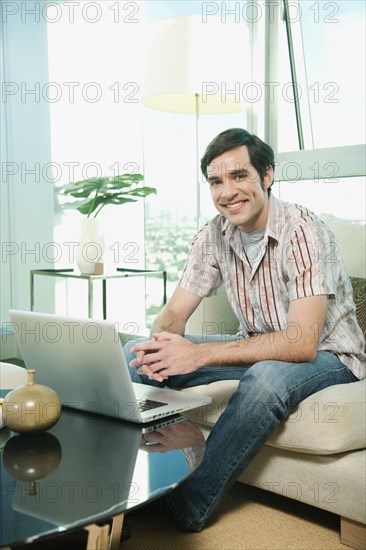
359,296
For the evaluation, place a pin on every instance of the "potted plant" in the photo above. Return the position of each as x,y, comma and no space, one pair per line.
90,197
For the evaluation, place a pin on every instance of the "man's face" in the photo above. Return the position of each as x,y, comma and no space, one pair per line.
237,191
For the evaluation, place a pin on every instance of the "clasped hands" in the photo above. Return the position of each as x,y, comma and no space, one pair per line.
167,354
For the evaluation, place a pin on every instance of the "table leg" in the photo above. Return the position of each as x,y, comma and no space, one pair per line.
164,287
116,532
98,537
90,298
31,291
104,282
105,537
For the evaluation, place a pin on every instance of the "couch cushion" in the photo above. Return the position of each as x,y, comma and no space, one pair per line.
351,237
330,421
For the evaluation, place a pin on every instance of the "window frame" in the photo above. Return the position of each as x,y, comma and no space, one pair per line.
347,160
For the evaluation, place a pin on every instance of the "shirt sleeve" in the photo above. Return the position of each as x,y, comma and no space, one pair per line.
201,275
312,261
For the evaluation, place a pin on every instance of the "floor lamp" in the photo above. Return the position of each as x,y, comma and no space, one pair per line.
196,67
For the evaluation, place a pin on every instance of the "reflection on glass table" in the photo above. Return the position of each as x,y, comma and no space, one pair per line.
87,469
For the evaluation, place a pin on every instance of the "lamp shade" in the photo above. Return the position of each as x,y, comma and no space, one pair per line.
196,67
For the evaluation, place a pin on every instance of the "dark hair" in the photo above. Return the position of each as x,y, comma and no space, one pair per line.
261,155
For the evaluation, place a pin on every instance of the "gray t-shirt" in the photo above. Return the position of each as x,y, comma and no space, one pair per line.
253,244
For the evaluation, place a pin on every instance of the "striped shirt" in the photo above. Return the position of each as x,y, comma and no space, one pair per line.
298,257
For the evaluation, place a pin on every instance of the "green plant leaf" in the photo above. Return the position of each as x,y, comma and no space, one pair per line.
95,193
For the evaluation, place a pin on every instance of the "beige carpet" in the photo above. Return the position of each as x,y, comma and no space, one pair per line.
248,519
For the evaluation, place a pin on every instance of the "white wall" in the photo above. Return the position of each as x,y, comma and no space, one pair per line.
26,198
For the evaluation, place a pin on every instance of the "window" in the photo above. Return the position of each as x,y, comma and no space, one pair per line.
183,201
173,139
327,196
328,41
315,121
100,127
315,118
95,75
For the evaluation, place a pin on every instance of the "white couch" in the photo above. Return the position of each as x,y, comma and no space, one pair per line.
318,455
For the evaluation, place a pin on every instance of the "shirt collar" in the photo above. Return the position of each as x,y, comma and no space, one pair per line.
275,218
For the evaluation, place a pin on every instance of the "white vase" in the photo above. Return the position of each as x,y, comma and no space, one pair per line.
91,247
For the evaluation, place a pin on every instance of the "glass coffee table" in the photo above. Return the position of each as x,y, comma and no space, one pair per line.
87,470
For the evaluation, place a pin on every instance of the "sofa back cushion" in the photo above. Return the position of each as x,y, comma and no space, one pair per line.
351,237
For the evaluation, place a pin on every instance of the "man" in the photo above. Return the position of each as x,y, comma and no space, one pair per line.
299,331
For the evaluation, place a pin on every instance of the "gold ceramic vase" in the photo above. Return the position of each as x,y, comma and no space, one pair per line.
31,409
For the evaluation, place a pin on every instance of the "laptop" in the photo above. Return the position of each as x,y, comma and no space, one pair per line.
83,361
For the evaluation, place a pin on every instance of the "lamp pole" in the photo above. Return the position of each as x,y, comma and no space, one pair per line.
198,172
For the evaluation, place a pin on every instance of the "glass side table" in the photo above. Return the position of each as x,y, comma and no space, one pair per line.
121,273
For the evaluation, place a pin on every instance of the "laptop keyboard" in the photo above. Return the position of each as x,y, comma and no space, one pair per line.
148,404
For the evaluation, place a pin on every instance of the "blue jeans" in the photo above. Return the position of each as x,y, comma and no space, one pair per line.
267,393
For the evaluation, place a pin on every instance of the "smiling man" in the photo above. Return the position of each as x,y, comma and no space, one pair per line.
298,328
